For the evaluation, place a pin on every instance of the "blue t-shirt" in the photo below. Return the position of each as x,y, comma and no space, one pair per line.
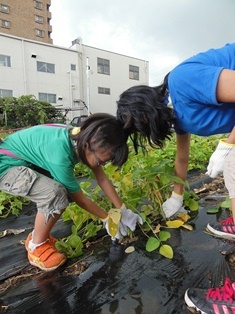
48,147
192,87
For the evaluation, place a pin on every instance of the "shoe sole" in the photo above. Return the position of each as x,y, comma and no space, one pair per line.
220,233
45,268
189,303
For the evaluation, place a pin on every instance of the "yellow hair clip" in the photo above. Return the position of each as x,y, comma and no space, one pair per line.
75,131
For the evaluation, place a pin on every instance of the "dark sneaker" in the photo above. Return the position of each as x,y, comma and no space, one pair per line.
213,301
225,227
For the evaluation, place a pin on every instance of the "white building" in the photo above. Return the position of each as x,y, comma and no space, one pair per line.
67,78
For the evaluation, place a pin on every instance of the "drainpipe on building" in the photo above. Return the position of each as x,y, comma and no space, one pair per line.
71,102
24,71
88,85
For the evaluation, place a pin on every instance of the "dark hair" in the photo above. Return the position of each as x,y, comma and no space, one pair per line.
102,131
143,112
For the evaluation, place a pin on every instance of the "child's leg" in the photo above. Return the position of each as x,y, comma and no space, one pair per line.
233,208
49,195
51,199
42,230
229,178
226,227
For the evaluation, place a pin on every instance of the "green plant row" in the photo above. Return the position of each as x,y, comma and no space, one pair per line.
144,182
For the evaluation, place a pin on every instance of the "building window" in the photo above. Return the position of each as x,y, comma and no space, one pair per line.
104,90
38,5
5,23
38,19
39,33
5,61
51,98
4,8
45,67
133,72
103,66
6,93
73,67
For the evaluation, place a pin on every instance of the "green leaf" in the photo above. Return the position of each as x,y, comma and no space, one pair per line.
166,250
178,180
75,241
85,185
142,215
212,210
164,235
91,230
152,244
226,203
193,205
146,209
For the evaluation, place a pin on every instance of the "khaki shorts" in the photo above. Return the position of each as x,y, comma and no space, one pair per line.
229,173
49,195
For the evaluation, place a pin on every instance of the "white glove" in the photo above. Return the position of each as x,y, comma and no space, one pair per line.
216,162
172,205
128,220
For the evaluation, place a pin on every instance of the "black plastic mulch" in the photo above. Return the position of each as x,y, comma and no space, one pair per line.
114,281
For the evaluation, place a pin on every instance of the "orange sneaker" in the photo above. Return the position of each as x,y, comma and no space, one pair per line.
51,240
45,256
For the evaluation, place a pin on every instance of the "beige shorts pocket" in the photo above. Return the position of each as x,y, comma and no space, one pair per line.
18,180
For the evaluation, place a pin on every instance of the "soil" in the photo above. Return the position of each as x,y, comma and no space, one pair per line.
107,279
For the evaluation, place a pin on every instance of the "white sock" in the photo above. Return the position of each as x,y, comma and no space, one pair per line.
32,246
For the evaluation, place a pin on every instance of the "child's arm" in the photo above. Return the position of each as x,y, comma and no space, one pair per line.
88,204
107,186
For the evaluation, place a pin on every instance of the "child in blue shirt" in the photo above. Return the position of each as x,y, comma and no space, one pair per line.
202,91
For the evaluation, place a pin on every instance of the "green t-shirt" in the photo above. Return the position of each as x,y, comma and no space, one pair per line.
48,147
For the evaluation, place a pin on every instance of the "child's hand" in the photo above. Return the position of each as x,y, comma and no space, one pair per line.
172,205
216,162
118,228
129,219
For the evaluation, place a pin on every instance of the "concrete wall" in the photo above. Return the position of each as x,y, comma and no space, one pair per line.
74,87
117,81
